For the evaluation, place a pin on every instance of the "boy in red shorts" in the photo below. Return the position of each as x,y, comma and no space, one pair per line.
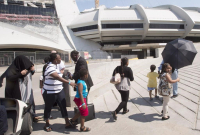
80,100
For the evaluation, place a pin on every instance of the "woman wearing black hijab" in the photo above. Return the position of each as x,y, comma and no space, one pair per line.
19,69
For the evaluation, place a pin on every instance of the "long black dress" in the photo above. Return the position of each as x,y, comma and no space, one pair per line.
13,74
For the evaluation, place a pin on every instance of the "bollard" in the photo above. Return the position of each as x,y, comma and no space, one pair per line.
69,91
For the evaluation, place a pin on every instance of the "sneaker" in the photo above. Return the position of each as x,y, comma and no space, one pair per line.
151,99
163,118
174,96
157,97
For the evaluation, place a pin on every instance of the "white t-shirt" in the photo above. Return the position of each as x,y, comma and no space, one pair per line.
60,66
41,78
52,85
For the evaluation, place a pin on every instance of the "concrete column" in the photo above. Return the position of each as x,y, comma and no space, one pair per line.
144,51
156,53
148,52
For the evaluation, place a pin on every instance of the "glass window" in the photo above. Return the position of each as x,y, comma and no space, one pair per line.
133,25
85,28
196,27
166,26
122,26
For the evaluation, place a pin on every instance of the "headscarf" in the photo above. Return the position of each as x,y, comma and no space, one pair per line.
21,62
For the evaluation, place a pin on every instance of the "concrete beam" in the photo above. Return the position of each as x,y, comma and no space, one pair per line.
189,22
101,9
146,22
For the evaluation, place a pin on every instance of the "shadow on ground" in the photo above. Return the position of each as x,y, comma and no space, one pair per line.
144,101
141,117
56,127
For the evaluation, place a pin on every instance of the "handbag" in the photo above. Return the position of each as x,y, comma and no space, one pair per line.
164,88
116,79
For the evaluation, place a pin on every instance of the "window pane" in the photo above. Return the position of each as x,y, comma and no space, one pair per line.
166,26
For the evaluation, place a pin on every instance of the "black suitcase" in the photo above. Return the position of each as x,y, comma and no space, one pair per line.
91,114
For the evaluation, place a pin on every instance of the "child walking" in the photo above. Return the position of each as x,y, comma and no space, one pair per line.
165,84
152,83
80,100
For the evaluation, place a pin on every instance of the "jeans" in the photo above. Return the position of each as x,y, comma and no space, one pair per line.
175,85
165,105
123,104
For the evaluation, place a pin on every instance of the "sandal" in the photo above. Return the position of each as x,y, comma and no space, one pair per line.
48,129
36,119
70,125
74,123
163,118
114,115
85,129
124,112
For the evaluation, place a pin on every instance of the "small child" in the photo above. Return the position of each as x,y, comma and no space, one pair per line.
165,83
80,100
152,83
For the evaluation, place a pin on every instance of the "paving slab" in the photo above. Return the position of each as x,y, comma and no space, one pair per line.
188,88
190,84
188,95
189,76
111,101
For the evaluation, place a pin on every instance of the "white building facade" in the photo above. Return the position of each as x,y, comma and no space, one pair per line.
59,25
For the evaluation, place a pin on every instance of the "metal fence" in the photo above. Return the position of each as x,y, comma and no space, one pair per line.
105,55
7,57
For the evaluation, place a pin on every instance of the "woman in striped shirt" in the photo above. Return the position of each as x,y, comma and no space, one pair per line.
53,91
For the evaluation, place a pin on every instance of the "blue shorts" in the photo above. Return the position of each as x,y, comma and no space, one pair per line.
151,88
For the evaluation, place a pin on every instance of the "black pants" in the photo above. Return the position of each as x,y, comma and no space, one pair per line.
50,99
123,104
3,120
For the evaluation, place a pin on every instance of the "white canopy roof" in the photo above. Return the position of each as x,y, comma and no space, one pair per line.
85,18
195,15
162,14
121,14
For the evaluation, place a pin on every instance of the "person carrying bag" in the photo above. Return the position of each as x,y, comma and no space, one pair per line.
122,84
165,88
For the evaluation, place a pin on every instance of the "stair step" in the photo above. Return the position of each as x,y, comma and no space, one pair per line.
111,101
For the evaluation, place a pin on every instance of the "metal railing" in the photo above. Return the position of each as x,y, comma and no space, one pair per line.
7,57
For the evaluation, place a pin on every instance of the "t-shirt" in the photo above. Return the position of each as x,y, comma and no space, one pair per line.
152,83
41,78
52,85
85,90
60,66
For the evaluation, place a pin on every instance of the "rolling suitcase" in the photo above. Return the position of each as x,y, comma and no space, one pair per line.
91,114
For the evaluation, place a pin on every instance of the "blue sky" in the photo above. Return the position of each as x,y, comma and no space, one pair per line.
87,4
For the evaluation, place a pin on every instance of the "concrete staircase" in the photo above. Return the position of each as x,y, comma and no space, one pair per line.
144,117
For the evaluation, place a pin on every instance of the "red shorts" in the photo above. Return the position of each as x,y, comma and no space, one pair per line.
84,112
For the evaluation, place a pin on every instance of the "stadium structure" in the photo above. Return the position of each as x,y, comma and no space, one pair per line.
43,25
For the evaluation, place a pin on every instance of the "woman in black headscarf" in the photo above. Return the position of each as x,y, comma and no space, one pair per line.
19,69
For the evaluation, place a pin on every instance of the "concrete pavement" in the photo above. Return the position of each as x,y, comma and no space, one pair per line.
144,116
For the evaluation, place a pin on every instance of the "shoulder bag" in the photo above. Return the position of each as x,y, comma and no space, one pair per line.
116,79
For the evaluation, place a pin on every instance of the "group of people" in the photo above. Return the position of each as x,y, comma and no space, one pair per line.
168,76
52,89
19,75
18,86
